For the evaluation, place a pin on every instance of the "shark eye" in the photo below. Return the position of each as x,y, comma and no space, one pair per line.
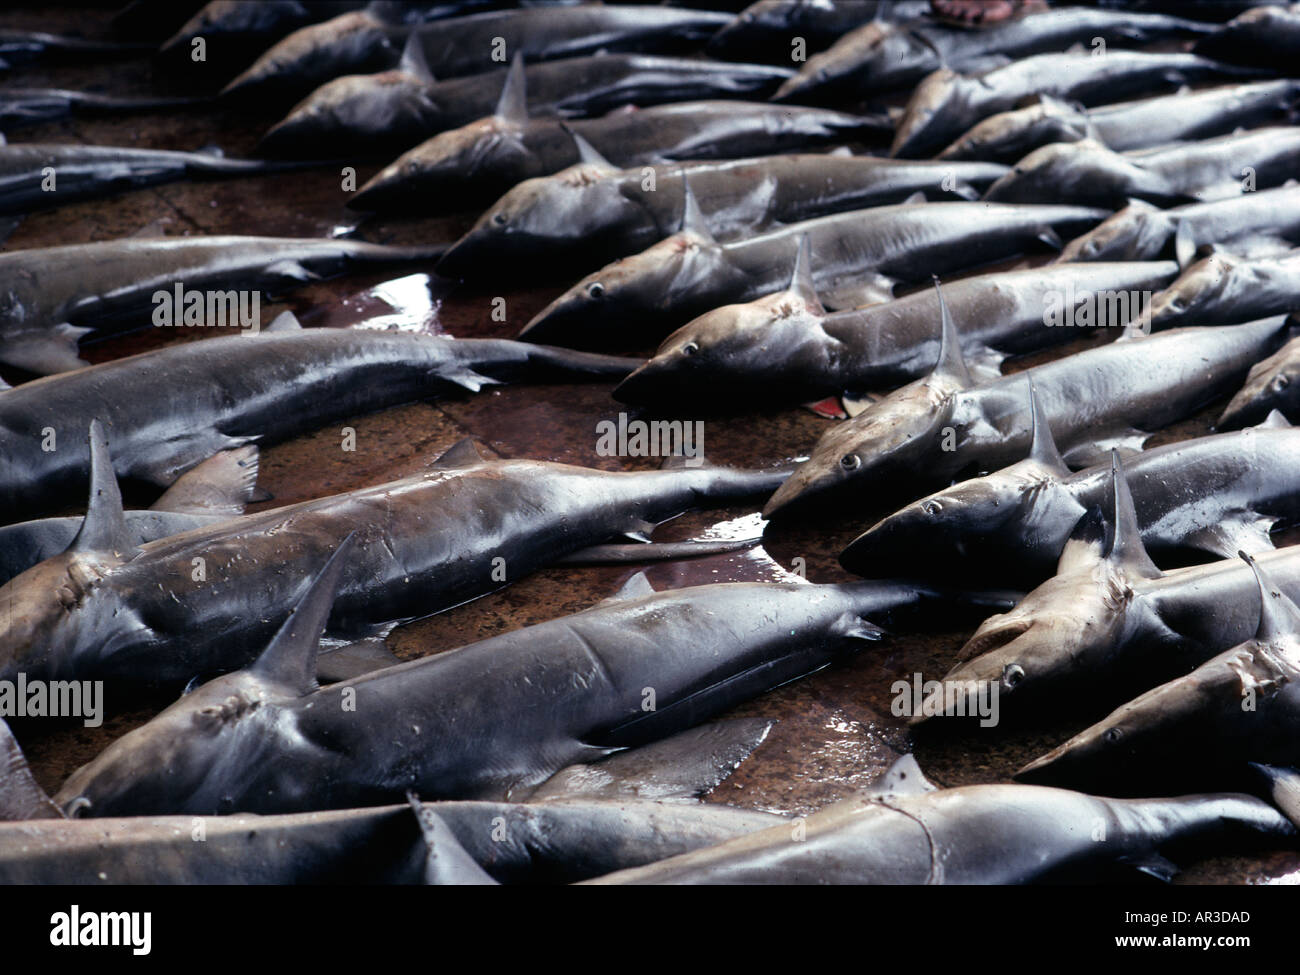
1281,382
690,348
1112,735
850,462
596,289
1012,675
499,219
932,507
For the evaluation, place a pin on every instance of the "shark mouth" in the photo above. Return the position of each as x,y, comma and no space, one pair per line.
993,638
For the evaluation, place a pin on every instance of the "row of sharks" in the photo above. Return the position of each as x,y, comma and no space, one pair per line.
304,750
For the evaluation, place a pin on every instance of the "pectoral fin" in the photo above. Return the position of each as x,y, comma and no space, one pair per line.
872,290
221,485
1244,531
1097,451
45,352
684,766
354,660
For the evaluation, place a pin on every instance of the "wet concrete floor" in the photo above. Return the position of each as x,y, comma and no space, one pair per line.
833,731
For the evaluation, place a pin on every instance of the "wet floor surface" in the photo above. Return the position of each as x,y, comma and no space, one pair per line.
833,731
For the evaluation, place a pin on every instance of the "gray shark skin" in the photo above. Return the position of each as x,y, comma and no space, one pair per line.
593,211
489,156
861,254
763,30
1210,496
1261,224
1268,35
167,409
89,172
395,110
938,428
883,56
1183,117
210,492
1087,172
493,719
360,43
423,544
946,103
586,821
1223,288
975,834
724,357
554,842
1110,622
1240,706
20,47
32,106
51,296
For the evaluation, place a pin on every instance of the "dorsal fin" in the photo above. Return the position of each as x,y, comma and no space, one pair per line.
1042,446
1184,245
1087,542
1278,616
512,106
104,527
290,658
1274,421
915,198
463,453
446,862
1126,547
21,797
413,61
692,218
903,778
951,364
635,587
801,280
587,153
286,321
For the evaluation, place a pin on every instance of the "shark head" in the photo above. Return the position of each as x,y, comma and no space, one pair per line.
938,105
1139,232
730,350
546,217
675,278
1203,713
1008,135
354,42
489,152
1200,291
1272,384
885,441
181,760
482,150
328,118
956,520
1084,172
1063,633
